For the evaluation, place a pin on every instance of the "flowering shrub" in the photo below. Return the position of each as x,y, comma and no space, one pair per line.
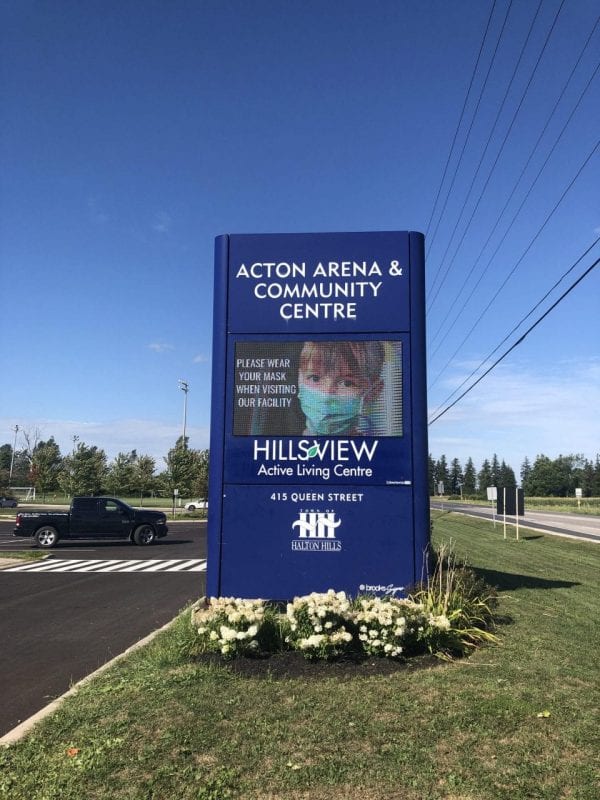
229,625
460,607
320,625
450,613
388,626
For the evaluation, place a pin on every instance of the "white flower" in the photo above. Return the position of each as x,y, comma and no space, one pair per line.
442,622
227,634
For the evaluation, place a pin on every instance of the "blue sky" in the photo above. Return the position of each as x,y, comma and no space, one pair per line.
135,132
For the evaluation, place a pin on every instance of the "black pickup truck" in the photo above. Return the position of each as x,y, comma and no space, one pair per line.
93,518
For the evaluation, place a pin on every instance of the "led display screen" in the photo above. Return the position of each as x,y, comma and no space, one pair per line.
320,388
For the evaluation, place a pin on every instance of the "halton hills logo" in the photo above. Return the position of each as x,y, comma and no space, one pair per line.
316,531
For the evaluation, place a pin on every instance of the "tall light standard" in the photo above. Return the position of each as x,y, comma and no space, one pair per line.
184,386
12,455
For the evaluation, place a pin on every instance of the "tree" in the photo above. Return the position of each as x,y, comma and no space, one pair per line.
456,477
46,462
120,475
484,479
495,471
596,481
180,472
143,474
506,475
525,475
32,440
202,465
470,477
557,477
442,474
587,479
84,471
431,475
5,458
20,469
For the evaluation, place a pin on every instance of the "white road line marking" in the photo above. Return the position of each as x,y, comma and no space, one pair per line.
112,565
48,566
117,566
163,565
190,564
141,565
96,566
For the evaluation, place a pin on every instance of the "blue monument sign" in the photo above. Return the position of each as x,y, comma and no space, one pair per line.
318,450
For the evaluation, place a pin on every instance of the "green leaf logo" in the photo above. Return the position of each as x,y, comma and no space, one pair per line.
312,452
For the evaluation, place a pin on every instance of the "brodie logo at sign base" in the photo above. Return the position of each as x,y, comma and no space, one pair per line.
318,415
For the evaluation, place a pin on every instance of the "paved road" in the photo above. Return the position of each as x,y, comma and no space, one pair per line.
579,526
63,618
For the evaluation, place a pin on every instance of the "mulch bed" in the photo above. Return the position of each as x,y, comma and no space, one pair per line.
294,665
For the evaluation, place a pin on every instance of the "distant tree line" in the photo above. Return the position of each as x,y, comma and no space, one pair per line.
87,470
546,477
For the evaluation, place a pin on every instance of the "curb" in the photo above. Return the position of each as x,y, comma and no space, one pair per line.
5,563
26,726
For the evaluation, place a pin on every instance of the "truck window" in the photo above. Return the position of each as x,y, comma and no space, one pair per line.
109,507
85,505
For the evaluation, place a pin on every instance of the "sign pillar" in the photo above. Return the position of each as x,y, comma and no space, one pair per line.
318,425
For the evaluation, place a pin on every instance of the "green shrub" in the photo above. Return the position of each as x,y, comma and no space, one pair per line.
449,614
230,625
461,607
320,625
388,626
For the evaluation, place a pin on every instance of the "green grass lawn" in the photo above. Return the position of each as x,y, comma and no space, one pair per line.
24,555
513,721
570,505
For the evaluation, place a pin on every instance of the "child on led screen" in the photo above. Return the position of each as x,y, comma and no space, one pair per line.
336,383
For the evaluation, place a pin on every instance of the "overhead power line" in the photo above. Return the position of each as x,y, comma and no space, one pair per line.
516,266
517,343
482,157
462,114
462,152
521,321
512,193
500,151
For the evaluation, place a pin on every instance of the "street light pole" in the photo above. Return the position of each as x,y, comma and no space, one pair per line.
184,386
12,455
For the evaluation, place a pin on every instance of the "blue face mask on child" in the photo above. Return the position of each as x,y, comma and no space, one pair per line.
329,415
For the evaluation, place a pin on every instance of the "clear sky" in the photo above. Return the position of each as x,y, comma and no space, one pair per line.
135,132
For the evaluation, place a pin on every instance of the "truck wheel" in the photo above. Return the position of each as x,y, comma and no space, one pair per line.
145,534
46,537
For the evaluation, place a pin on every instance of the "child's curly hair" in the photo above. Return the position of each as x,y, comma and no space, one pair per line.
363,359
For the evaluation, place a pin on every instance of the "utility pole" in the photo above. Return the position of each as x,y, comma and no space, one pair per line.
12,455
184,386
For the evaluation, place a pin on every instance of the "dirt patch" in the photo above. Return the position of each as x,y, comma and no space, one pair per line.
294,665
